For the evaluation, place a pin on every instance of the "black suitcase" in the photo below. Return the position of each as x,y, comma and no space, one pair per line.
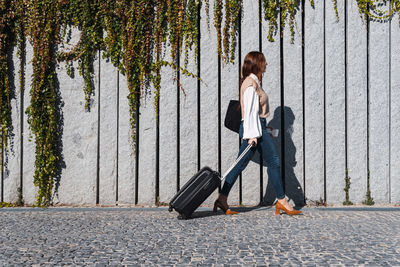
198,189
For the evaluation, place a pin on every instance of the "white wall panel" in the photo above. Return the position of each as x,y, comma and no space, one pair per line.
293,110
12,158
29,190
209,97
356,103
229,139
78,179
126,156
147,151
395,111
379,110
314,101
188,121
335,103
250,42
108,132
168,132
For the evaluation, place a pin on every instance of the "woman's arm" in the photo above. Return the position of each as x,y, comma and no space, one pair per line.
251,123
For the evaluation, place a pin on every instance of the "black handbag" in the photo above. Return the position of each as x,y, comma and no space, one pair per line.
233,116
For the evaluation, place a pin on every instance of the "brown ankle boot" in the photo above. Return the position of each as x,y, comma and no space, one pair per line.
222,203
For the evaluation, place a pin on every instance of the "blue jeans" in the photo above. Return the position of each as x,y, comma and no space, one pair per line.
267,149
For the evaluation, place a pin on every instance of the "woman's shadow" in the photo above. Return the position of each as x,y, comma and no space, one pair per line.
293,188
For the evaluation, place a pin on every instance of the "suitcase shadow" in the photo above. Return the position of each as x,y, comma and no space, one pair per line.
248,209
209,213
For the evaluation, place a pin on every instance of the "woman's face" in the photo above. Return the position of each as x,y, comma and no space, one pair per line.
264,67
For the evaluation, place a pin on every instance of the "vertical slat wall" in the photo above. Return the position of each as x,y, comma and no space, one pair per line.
168,132
108,132
147,149
356,102
229,139
314,100
208,96
29,190
379,110
250,42
12,160
335,103
271,84
395,112
293,113
78,180
188,121
126,156
328,85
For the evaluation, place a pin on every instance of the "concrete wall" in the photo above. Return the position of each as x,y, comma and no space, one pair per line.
335,101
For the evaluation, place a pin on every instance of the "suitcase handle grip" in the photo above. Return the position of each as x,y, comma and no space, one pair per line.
238,159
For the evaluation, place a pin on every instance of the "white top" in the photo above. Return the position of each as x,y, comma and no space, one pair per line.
251,120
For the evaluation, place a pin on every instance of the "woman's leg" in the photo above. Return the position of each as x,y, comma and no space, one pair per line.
273,163
234,173
270,156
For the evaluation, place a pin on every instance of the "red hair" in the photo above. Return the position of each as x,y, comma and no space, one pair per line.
254,62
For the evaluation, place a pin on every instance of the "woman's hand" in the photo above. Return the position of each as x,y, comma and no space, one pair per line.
251,141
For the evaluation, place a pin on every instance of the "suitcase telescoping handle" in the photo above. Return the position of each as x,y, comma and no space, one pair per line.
237,160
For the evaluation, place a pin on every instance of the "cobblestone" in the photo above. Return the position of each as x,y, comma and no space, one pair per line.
148,237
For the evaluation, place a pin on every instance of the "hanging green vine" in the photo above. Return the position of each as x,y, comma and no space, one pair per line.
368,197
86,17
346,188
136,31
156,79
271,12
218,23
43,29
133,21
190,29
234,10
370,9
231,26
334,2
7,35
20,37
286,9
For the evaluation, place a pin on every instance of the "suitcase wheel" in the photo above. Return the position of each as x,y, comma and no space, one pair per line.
170,209
182,217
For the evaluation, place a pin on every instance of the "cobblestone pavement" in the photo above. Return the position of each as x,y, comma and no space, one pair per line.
147,237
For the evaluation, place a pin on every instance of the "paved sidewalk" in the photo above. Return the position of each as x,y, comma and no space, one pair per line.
153,236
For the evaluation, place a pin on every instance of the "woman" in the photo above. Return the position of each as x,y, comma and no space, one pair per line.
253,128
